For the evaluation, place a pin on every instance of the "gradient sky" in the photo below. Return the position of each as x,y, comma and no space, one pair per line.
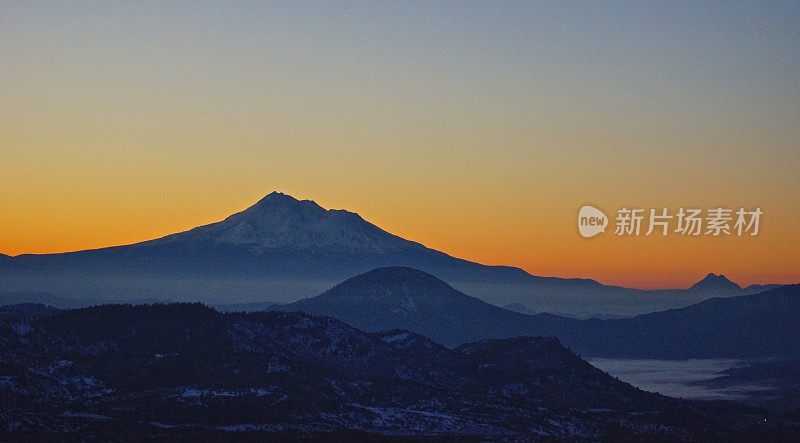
475,128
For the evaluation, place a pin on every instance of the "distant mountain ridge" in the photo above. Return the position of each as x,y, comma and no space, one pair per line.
406,298
282,249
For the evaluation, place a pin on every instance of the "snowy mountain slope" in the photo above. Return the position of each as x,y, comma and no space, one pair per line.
279,221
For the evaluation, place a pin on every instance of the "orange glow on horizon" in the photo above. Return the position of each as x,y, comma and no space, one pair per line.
674,262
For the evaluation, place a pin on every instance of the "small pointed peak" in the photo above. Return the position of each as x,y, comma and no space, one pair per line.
715,282
715,277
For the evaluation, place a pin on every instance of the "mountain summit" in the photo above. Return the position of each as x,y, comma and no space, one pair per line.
280,221
714,282
395,281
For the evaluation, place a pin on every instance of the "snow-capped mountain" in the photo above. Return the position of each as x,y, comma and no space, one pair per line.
282,249
279,221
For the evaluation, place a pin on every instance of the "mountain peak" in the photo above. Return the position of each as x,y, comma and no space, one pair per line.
406,298
280,221
395,280
279,199
716,282
277,195
397,273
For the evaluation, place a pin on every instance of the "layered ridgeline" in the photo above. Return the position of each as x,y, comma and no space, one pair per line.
763,325
282,249
166,371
